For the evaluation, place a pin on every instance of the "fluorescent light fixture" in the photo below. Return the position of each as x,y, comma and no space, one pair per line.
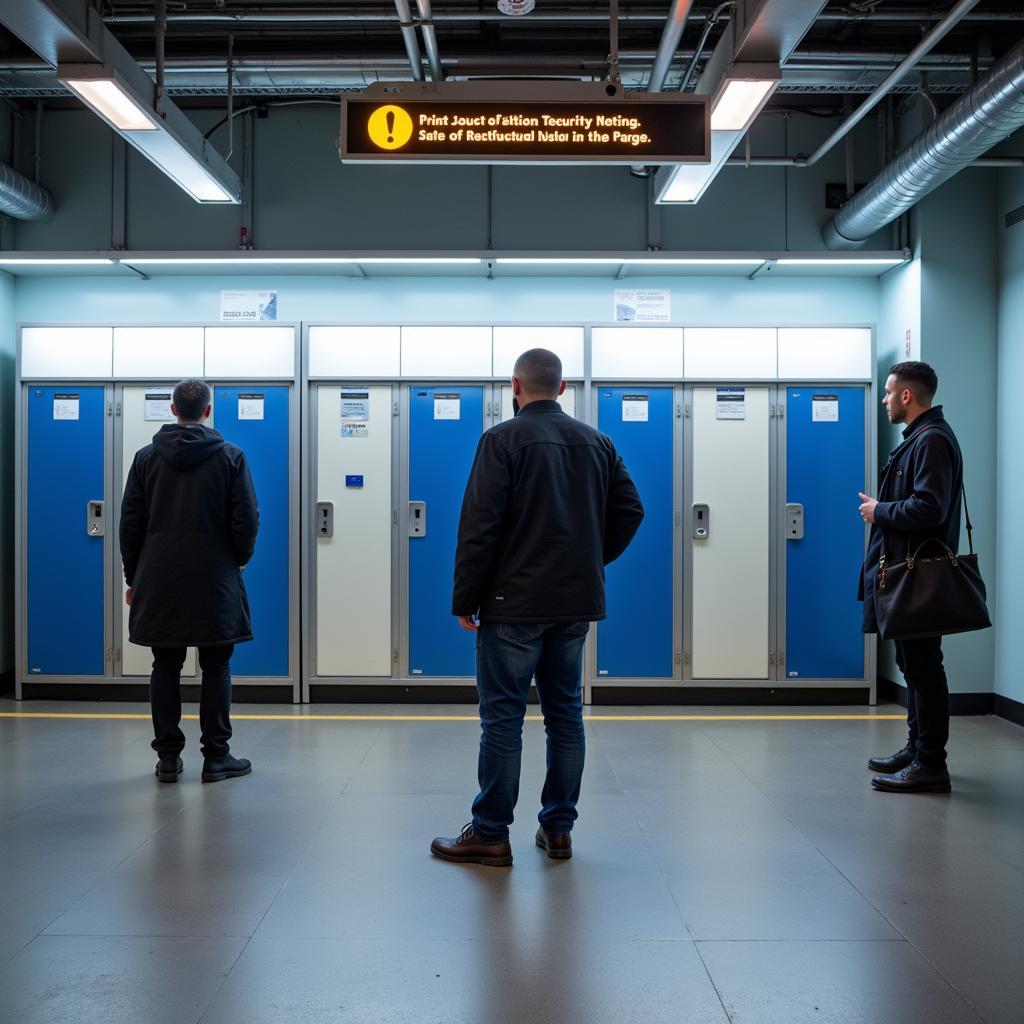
742,92
238,261
56,262
696,262
101,89
179,163
686,183
416,259
559,260
844,261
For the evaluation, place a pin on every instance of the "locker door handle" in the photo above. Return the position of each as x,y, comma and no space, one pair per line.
95,519
325,518
417,519
794,521
701,515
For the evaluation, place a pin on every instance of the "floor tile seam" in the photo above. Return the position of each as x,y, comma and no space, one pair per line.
842,874
25,945
362,761
707,971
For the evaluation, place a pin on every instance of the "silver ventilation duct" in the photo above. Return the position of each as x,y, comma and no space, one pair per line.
990,112
21,198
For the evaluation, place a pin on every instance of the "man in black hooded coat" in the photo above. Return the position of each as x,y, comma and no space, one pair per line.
189,521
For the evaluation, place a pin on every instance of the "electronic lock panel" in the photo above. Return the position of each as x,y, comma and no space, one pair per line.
352,531
729,531
825,431
636,638
445,424
66,522
255,417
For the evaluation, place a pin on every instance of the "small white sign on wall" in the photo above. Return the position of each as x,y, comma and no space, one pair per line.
65,406
248,307
635,409
447,406
731,403
250,406
825,408
643,305
158,407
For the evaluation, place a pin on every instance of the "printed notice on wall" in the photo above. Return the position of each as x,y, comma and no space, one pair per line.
730,403
825,408
248,307
635,409
643,306
158,407
65,407
447,406
250,406
355,413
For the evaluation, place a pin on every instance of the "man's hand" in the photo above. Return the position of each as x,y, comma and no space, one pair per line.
867,509
467,623
128,596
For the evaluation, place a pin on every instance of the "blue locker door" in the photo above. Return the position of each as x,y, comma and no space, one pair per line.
66,456
636,638
445,424
824,471
260,429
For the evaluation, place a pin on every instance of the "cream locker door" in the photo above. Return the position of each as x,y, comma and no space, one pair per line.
567,401
353,567
731,476
138,403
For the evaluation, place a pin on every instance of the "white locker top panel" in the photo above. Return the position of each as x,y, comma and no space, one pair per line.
647,353
66,352
158,352
825,353
355,350
511,342
731,353
248,352
446,351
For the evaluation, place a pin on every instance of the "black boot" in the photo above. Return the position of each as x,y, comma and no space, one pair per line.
169,768
894,762
915,778
226,767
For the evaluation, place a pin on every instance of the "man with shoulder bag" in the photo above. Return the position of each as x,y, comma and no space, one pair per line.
914,586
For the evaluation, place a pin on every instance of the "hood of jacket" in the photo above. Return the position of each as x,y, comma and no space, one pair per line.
185,446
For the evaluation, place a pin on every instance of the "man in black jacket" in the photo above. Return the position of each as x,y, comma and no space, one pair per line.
188,525
548,505
919,498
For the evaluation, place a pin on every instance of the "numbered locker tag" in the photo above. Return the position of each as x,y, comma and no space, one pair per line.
250,406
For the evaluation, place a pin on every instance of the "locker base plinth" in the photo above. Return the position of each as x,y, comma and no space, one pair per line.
137,691
756,695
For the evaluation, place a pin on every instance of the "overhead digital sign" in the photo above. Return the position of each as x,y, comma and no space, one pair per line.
456,124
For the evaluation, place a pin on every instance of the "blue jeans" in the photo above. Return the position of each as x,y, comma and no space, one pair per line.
508,657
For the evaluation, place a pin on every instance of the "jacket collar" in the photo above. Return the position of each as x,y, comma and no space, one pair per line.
933,415
543,405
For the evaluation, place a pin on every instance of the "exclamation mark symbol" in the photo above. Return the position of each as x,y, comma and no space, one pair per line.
390,118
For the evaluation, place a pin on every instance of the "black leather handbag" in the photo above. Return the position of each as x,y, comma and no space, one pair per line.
930,596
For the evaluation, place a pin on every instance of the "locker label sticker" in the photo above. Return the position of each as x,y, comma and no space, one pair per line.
635,409
158,407
355,405
447,406
354,428
730,403
65,406
250,406
825,408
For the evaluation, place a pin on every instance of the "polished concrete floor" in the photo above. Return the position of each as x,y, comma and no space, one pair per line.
733,870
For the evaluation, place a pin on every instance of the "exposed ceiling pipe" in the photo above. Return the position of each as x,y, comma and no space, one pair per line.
708,26
670,37
21,198
990,112
430,39
412,46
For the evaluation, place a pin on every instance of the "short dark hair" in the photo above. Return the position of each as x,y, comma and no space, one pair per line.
540,372
919,377
191,397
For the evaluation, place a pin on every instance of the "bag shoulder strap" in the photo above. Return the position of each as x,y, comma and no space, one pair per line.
963,489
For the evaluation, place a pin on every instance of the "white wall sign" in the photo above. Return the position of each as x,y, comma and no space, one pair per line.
355,428
158,407
643,306
65,406
730,403
825,408
248,307
447,406
635,408
250,406
355,406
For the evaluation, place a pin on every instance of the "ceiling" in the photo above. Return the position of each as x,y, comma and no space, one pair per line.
319,49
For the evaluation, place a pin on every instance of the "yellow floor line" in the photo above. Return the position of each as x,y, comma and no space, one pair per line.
466,718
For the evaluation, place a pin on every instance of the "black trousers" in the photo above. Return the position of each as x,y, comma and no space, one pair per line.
920,661
214,703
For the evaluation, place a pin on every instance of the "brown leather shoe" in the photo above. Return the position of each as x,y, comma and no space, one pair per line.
558,845
468,848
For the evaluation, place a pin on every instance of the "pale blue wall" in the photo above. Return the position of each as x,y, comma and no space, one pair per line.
7,336
446,299
1010,584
